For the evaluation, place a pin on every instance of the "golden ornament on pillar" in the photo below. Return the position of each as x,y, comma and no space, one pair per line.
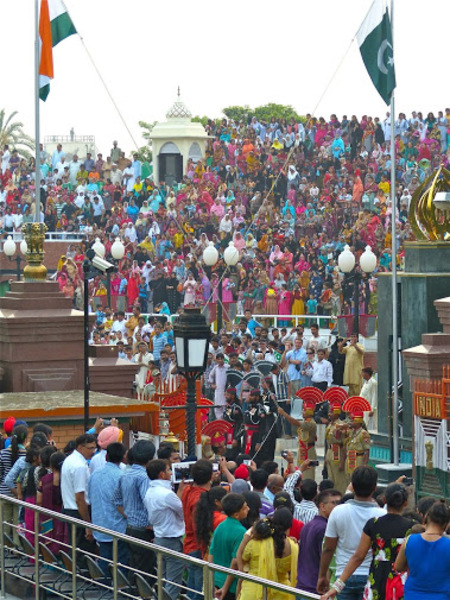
172,439
429,450
430,220
34,234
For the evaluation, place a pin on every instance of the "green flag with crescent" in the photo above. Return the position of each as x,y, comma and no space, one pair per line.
375,43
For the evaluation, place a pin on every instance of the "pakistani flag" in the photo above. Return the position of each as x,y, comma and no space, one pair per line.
375,43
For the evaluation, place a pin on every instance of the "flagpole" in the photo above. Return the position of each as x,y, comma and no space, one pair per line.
37,212
395,407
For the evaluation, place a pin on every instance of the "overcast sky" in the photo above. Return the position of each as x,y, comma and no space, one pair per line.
220,53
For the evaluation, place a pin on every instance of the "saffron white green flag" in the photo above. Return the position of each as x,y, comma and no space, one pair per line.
55,25
375,43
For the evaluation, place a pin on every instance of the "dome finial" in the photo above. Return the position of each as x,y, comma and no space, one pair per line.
179,91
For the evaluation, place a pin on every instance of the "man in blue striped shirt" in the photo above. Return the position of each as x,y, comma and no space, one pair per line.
102,484
159,340
129,498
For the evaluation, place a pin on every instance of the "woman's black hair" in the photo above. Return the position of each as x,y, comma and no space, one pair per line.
31,453
283,499
204,512
254,506
45,455
56,460
438,513
18,436
274,527
396,495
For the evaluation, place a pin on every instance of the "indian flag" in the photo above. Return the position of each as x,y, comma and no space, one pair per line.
54,26
375,44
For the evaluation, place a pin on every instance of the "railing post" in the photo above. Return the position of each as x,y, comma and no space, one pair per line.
74,559
207,582
2,553
264,592
36,554
115,561
159,571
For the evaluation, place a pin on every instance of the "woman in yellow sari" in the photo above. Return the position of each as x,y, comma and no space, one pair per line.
266,551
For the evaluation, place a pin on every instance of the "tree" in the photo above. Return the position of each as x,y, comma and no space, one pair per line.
203,120
145,152
266,112
11,133
238,113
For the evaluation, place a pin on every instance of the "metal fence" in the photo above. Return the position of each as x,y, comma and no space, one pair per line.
45,574
50,236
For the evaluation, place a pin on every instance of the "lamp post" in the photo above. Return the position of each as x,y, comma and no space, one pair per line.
191,335
367,264
117,253
89,272
9,248
210,258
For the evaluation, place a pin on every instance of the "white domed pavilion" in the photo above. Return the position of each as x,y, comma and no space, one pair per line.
174,142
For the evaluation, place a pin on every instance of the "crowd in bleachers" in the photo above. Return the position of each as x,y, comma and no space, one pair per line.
289,195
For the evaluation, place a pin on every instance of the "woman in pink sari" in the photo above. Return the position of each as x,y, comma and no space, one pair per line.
302,264
358,190
239,241
284,305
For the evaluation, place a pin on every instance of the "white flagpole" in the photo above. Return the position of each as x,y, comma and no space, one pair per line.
395,445
37,213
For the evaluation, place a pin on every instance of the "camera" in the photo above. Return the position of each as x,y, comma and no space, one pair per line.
182,471
103,265
247,462
408,481
106,422
284,454
313,463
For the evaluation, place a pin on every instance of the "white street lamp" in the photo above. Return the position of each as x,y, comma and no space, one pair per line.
210,255
117,249
368,260
24,247
9,247
231,255
99,248
346,260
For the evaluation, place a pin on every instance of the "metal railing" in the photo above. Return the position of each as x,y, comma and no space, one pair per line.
60,139
295,320
50,236
66,580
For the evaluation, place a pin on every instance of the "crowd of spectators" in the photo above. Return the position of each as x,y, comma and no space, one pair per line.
268,522
289,195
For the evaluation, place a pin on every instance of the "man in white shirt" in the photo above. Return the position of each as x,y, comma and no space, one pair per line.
165,513
343,533
128,177
386,127
322,372
74,167
316,342
119,323
74,489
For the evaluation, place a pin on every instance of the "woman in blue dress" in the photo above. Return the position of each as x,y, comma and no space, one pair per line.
427,556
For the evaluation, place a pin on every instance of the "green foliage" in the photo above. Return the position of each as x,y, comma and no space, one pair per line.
11,133
266,112
145,152
203,120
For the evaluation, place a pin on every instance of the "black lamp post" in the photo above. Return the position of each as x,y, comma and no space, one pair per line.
192,335
210,258
9,248
89,272
367,264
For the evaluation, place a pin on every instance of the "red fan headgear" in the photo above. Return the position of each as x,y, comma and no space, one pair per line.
356,406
